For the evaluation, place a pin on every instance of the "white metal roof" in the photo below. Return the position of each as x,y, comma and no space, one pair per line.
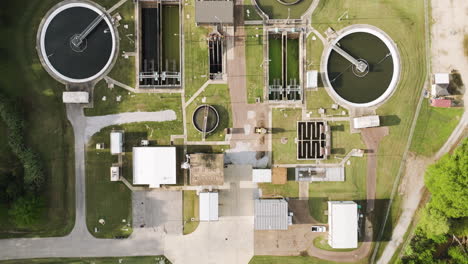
366,121
441,78
154,166
75,97
261,175
208,206
114,173
312,77
343,224
116,142
271,214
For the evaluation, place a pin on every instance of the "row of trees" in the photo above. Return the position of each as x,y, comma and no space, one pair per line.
442,233
20,188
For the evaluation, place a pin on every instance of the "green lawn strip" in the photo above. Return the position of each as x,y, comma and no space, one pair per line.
106,260
131,102
352,189
320,99
216,95
433,128
190,211
250,13
292,61
274,65
276,10
254,62
289,189
106,3
294,260
196,70
48,131
171,38
314,49
406,28
322,243
125,68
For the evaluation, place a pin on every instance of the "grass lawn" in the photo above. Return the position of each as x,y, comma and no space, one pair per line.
314,50
433,128
131,102
274,65
196,71
112,200
106,3
292,61
353,188
47,129
289,189
216,95
292,260
108,260
320,99
171,38
276,10
403,21
124,69
250,13
254,62
190,211
322,243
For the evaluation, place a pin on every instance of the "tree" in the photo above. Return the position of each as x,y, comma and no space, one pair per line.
457,255
25,211
447,180
434,224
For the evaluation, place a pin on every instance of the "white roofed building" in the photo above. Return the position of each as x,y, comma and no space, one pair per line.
312,79
261,175
208,206
154,166
342,224
75,97
116,142
440,85
366,121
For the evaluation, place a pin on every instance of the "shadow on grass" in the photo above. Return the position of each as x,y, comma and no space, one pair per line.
390,120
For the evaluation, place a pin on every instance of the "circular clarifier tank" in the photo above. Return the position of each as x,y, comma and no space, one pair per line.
361,67
205,118
77,42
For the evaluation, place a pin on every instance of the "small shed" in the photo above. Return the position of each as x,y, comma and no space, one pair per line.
279,175
366,121
312,79
75,97
442,78
342,224
116,142
261,175
208,206
271,214
441,103
114,173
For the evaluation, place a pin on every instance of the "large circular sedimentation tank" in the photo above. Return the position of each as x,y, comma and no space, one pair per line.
205,118
351,85
69,57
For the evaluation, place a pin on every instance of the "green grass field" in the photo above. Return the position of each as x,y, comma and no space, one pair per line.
250,13
293,260
322,243
111,201
314,50
47,129
403,21
254,62
276,10
289,189
216,95
131,102
190,211
292,61
275,64
108,260
124,69
433,128
196,71
320,99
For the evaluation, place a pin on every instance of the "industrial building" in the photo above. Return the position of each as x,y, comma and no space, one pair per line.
75,97
271,214
208,206
314,174
440,86
116,142
206,169
366,121
261,175
343,224
154,166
